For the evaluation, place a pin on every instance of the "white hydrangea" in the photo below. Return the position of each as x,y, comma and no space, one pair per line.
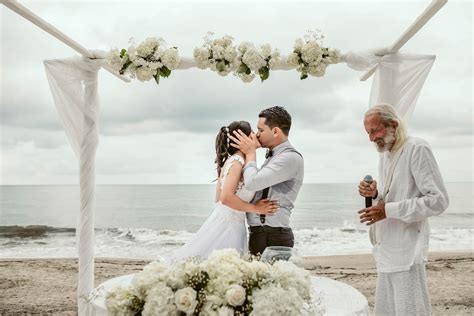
160,301
212,305
226,311
119,301
274,300
288,276
186,300
151,274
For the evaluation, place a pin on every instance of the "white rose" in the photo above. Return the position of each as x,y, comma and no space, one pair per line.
185,300
226,311
247,78
201,56
230,53
218,52
266,50
170,58
293,60
253,60
311,52
144,73
113,58
147,47
236,295
299,43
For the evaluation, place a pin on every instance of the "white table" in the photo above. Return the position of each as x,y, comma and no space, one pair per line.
339,298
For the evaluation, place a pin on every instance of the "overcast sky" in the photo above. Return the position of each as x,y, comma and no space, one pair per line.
165,134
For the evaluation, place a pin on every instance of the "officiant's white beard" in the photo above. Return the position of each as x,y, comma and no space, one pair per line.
386,143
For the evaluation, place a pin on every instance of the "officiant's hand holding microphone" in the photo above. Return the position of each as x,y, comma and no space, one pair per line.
370,214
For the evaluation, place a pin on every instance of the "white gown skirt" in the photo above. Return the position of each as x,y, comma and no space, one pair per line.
224,228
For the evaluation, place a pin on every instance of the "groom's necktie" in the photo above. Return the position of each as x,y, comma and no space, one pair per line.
265,191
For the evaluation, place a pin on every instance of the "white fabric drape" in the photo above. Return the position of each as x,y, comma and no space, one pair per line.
73,84
398,79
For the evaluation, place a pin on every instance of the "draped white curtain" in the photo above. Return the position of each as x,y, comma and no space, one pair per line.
73,82
398,79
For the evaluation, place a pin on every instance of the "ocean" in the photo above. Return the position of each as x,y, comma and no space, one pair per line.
149,221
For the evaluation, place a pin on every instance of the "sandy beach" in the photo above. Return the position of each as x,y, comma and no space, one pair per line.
48,286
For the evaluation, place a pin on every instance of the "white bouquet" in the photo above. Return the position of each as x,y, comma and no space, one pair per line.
219,55
310,57
151,59
253,60
224,284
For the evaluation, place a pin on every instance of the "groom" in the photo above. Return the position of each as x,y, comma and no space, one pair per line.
280,178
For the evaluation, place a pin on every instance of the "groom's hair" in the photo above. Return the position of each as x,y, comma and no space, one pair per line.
277,116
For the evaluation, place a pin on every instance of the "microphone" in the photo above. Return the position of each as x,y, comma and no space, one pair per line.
368,200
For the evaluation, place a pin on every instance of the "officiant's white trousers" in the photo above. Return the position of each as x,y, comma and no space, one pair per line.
403,293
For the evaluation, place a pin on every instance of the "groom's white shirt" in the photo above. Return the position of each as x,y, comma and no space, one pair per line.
283,173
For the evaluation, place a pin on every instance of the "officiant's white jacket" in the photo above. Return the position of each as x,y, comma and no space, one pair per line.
416,192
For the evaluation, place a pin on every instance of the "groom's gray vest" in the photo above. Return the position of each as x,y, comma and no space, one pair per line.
289,166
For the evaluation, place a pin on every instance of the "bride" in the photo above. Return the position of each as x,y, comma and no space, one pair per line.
225,227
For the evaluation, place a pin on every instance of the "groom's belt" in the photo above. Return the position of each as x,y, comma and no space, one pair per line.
269,229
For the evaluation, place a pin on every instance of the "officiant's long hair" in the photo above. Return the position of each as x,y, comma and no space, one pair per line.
223,148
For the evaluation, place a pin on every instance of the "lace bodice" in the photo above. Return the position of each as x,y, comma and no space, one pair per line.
240,191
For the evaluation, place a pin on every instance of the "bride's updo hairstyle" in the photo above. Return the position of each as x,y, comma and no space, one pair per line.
223,147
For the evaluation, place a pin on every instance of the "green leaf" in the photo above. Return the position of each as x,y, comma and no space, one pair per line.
125,66
220,66
123,52
157,78
303,76
165,72
242,68
264,73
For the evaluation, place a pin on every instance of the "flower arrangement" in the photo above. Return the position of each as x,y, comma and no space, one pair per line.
219,55
253,60
310,57
151,59
224,284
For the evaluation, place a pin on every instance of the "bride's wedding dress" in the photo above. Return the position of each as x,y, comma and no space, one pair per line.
224,228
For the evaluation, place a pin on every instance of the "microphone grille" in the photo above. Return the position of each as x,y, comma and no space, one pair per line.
368,179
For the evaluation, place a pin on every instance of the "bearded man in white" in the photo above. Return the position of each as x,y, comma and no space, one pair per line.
411,189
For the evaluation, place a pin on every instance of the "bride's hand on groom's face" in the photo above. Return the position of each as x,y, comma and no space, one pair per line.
244,143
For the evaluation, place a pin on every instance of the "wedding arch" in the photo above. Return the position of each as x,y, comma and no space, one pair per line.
398,80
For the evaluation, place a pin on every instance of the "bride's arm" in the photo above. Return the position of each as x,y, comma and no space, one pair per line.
229,198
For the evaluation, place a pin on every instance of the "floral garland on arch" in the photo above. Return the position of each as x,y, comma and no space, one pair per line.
224,284
151,59
310,57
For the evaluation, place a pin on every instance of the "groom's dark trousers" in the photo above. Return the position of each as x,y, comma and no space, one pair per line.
264,236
